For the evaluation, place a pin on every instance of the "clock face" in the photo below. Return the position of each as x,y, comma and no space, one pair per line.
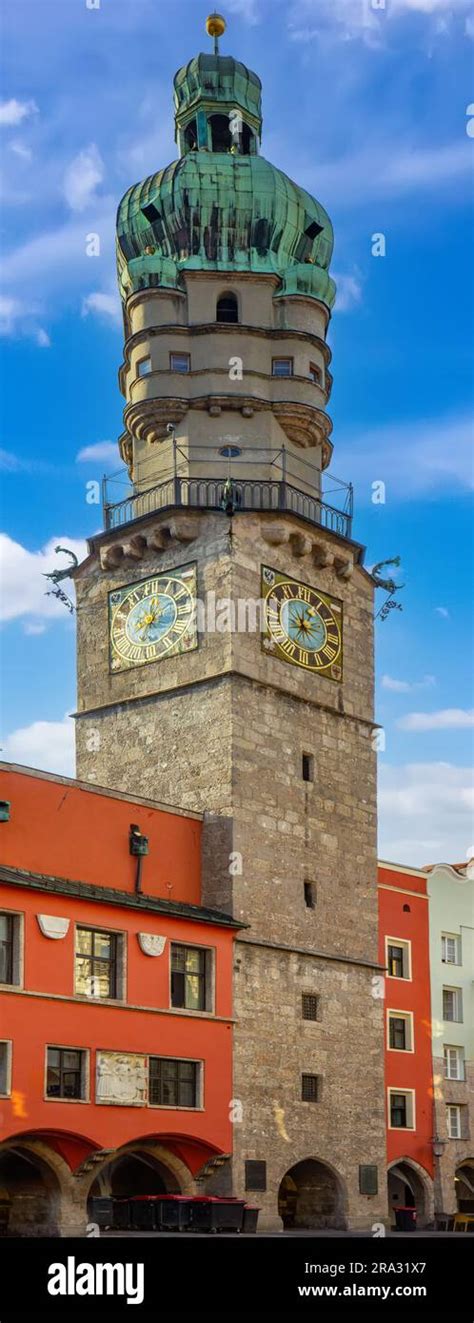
153,619
302,625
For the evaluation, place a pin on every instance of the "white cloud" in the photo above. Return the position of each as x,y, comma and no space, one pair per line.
246,9
32,627
20,150
448,718
359,19
425,812
24,588
47,745
406,686
349,293
101,450
410,458
19,319
105,305
443,612
14,112
82,178
42,338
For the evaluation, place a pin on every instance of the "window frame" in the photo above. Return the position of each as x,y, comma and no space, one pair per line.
457,992
178,353
450,1108
228,294
317,1079
307,765
146,359
120,964
460,1060
309,891
405,944
18,943
313,997
408,1017
451,937
85,1073
283,358
409,1093
316,374
198,1063
8,1043
209,953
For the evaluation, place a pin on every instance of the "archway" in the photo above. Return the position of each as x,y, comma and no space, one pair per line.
31,1190
311,1195
409,1186
137,1172
464,1186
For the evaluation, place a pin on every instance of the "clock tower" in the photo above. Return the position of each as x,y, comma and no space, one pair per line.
225,636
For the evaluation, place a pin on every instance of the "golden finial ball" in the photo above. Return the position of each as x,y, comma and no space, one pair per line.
215,25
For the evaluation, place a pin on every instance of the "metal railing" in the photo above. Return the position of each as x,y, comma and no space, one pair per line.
294,487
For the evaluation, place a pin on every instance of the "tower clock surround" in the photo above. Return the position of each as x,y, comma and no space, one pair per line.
221,721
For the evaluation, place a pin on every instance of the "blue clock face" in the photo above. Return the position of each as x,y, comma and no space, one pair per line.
153,619
303,624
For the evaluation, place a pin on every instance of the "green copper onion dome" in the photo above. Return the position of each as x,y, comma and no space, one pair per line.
221,206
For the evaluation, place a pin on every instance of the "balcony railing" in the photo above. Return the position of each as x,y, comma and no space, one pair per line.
293,486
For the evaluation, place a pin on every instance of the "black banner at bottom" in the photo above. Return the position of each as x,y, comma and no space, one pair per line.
237,1279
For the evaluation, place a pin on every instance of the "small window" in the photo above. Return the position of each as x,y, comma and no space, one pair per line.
307,767
96,973
454,1063
10,932
453,1117
282,367
368,1179
450,949
310,1088
452,1005
227,308
221,136
255,1175
180,363
65,1073
398,958
230,452
5,1068
173,1083
310,1005
401,1109
406,909
144,367
190,978
190,136
400,1031
316,374
313,229
151,212
310,895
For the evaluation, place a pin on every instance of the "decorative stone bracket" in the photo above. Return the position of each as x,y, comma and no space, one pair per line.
303,544
51,926
179,529
151,944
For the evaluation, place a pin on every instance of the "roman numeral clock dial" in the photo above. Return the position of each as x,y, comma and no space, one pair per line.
302,625
153,619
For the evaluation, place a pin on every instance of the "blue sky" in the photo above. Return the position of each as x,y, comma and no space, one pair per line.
367,108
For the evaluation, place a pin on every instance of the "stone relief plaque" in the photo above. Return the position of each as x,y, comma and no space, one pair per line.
121,1079
151,944
52,926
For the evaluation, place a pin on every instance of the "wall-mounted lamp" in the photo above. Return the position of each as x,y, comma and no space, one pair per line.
438,1146
139,846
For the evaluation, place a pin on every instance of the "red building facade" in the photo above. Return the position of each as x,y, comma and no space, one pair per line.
404,950
116,1006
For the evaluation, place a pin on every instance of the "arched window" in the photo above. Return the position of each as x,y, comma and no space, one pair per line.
227,308
221,137
190,137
